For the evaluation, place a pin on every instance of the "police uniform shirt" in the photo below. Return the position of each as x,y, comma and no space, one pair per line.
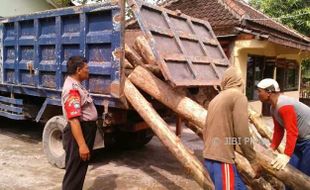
77,102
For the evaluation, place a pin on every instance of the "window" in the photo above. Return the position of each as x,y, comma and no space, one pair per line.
258,68
287,74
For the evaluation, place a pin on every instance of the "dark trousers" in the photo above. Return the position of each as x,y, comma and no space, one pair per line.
301,156
76,168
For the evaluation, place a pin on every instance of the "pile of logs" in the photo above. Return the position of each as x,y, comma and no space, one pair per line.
140,65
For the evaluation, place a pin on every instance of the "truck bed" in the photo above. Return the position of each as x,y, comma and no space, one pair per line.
36,47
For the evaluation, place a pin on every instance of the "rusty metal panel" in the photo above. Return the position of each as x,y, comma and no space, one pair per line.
186,48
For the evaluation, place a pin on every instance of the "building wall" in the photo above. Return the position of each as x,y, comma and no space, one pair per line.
243,48
19,7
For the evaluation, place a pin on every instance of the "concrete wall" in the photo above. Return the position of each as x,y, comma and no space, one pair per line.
19,7
243,48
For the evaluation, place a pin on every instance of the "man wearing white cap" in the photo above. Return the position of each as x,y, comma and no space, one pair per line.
291,116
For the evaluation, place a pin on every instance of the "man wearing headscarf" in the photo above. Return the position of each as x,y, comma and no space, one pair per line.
227,128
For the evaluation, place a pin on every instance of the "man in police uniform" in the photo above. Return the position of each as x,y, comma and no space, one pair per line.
81,114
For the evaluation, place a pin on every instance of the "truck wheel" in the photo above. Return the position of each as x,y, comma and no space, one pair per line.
133,140
52,141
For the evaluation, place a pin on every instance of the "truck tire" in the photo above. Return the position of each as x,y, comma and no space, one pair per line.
52,141
134,140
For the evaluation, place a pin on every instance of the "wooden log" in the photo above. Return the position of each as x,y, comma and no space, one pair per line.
289,175
194,128
170,140
135,60
265,156
127,65
141,46
132,56
248,174
274,182
161,91
154,69
263,130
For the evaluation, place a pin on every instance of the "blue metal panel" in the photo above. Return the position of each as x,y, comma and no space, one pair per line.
1,53
115,45
11,108
8,65
58,52
67,11
37,46
12,116
36,53
27,29
9,43
103,38
9,32
41,111
17,53
47,102
83,50
11,100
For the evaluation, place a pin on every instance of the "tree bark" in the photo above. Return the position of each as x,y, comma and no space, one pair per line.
262,129
132,56
290,176
161,91
136,60
127,65
142,47
248,174
170,140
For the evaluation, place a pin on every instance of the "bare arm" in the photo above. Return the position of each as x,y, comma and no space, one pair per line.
79,138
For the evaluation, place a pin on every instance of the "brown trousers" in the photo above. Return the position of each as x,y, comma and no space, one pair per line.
76,168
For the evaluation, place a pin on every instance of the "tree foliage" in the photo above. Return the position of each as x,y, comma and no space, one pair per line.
294,13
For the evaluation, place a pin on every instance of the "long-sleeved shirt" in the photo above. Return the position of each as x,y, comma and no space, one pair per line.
292,116
227,123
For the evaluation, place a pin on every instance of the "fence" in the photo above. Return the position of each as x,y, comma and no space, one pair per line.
305,94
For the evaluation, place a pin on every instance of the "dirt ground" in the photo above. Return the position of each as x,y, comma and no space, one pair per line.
23,165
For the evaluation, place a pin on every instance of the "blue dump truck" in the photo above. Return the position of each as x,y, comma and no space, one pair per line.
34,52
35,48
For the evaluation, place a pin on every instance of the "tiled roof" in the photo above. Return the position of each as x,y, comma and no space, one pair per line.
210,10
225,15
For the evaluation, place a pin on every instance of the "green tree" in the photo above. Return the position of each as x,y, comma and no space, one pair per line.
293,13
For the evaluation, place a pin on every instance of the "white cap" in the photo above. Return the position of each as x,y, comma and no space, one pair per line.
268,84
